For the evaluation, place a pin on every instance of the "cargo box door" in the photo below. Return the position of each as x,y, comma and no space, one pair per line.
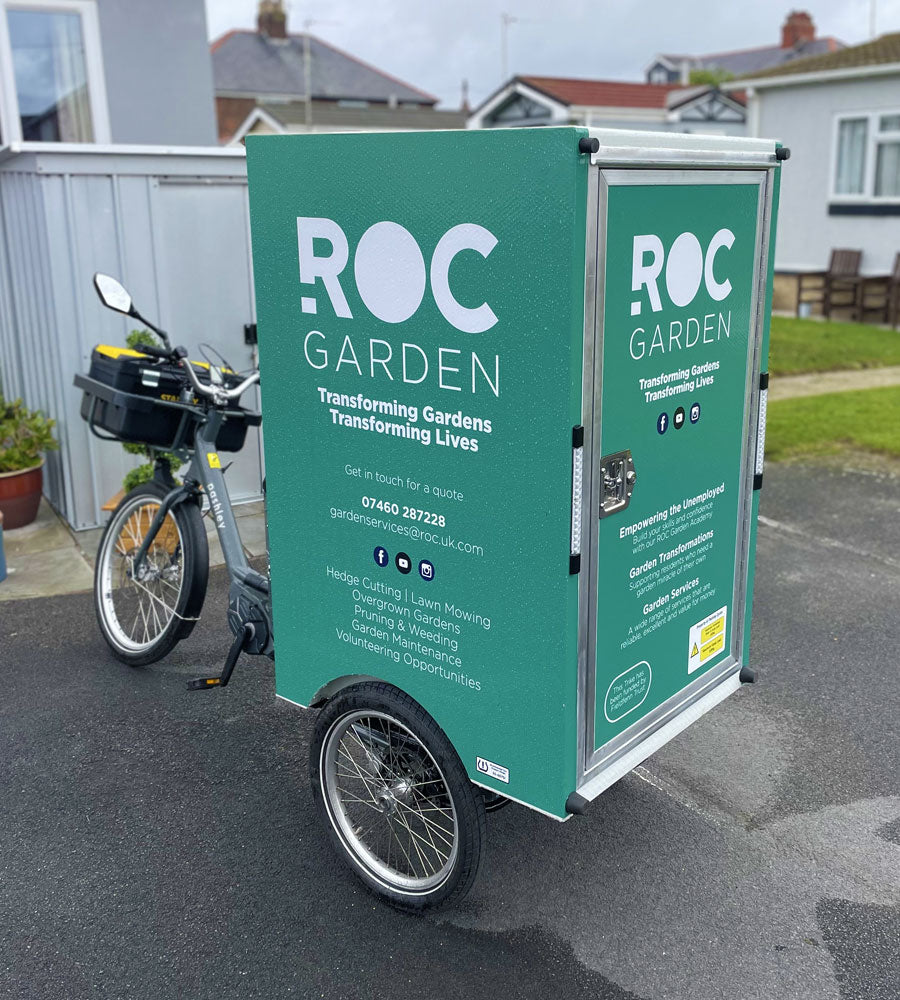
673,444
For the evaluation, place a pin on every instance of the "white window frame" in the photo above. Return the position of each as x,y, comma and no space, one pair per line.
873,138
10,121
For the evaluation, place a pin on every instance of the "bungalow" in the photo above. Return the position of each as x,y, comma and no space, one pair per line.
270,80
840,115
798,40
550,100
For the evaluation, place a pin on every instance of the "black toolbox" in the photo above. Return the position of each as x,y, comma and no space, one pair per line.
133,397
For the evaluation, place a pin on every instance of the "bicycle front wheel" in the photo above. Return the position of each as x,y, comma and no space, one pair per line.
143,614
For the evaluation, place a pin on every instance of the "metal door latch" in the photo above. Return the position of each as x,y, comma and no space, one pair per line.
617,478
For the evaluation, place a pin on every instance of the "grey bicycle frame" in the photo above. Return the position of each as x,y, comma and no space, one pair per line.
203,470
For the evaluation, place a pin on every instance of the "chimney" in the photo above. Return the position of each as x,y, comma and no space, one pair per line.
271,19
464,104
797,29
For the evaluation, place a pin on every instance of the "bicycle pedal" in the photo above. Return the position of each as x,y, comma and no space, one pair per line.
203,683
244,635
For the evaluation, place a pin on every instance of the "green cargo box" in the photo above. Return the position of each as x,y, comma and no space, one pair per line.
513,386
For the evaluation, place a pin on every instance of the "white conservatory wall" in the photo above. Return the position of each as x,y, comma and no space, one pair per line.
803,117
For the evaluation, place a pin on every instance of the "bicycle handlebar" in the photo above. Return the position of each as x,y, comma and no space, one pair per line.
154,352
218,393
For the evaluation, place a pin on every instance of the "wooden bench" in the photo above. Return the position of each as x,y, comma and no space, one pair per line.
881,294
839,287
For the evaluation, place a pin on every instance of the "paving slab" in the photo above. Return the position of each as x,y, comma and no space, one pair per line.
820,383
42,559
46,532
42,574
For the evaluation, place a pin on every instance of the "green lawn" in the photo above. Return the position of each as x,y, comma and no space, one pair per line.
803,345
867,420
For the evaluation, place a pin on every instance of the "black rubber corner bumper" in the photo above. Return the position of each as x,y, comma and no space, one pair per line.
576,804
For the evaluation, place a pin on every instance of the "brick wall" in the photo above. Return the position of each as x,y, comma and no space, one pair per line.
230,113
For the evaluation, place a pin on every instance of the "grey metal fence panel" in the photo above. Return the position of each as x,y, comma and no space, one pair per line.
10,360
83,231
172,224
32,372
203,268
10,364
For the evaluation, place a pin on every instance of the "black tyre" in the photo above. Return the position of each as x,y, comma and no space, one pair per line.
493,800
142,617
395,798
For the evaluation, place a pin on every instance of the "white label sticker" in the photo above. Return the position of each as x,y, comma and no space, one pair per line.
707,639
492,770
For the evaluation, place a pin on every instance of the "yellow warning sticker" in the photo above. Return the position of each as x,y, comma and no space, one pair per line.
213,460
709,649
707,639
714,628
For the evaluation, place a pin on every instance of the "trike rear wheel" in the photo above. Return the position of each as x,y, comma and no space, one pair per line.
395,798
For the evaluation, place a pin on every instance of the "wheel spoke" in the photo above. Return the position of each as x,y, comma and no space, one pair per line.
136,616
427,831
361,777
371,756
159,626
418,798
374,764
143,616
348,797
138,612
153,597
416,836
393,836
429,826
412,841
343,750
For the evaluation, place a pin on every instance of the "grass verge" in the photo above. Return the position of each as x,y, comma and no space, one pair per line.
803,345
867,420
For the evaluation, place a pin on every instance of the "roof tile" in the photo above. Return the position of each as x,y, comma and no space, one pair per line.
880,51
246,62
602,93
332,115
744,61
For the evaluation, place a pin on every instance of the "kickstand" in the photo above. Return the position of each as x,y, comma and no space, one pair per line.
240,641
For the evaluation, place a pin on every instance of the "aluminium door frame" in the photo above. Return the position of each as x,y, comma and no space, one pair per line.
600,767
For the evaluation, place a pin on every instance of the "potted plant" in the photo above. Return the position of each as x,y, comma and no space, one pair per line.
24,437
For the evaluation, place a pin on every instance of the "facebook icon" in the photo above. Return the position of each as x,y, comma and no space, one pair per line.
381,556
662,423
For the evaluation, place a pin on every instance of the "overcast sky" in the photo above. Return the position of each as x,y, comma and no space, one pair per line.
434,45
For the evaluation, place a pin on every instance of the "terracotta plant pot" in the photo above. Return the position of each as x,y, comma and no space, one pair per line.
20,496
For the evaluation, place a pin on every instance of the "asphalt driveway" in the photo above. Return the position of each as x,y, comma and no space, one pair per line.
159,843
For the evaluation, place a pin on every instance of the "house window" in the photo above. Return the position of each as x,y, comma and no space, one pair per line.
851,163
887,157
867,166
51,72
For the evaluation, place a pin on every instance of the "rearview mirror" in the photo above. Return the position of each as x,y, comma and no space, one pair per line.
113,295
